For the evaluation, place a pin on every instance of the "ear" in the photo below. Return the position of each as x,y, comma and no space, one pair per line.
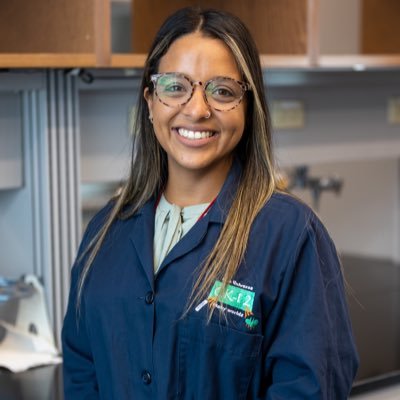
149,99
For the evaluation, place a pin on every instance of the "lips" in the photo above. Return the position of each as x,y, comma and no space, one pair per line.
195,135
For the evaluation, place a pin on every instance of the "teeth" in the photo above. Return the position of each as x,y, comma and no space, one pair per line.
194,134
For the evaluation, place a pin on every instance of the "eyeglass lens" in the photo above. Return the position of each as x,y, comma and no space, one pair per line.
221,93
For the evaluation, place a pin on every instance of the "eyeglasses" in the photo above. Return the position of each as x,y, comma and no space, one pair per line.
221,93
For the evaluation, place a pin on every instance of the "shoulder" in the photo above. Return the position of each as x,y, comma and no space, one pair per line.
285,211
292,223
302,234
288,204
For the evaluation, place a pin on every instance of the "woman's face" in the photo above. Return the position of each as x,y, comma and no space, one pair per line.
192,141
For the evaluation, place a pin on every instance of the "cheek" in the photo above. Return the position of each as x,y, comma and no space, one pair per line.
237,127
163,115
160,120
161,126
159,132
236,122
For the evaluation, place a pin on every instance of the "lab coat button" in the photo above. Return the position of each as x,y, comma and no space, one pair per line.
149,298
146,377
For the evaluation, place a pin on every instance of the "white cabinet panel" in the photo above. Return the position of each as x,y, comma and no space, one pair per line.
16,240
105,141
11,175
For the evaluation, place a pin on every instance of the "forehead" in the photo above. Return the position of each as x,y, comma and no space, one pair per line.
199,57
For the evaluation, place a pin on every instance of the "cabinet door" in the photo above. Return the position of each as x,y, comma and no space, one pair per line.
52,33
10,141
278,27
381,28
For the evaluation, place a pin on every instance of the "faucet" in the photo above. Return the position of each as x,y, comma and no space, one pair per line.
300,179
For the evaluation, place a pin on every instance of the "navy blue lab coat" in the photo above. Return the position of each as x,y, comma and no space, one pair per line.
286,334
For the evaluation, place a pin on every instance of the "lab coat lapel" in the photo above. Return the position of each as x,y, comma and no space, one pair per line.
189,242
217,214
142,239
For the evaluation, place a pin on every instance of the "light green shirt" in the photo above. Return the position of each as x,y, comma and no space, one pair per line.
170,225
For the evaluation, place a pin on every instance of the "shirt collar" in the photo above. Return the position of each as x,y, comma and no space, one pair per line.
219,211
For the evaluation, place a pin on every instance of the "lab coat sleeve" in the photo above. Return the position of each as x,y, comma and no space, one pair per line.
312,353
79,372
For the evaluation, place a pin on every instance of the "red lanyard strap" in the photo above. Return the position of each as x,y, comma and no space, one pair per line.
206,210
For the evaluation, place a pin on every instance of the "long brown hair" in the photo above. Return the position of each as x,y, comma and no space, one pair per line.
149,170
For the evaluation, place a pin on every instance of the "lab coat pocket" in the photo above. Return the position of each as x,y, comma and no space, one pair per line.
214,361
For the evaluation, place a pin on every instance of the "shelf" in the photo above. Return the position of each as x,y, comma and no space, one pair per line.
267,61
128,60
359,62
284,61
47,60
272,61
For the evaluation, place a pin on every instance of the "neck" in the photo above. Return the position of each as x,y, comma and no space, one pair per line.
185,188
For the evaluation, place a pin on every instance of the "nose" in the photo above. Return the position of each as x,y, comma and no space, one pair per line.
197,107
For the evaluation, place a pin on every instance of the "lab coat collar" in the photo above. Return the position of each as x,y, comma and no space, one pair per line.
143,230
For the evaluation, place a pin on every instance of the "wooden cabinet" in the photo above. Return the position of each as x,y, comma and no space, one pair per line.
63,33
380,27
289,33
78,33
280,28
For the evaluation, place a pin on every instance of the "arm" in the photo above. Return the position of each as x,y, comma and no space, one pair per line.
311,354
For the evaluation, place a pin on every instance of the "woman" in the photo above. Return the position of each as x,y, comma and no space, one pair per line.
200,280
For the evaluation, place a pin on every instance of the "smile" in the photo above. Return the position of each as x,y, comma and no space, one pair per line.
195,135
